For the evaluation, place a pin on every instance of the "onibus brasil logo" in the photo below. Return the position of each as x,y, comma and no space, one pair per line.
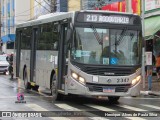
20,98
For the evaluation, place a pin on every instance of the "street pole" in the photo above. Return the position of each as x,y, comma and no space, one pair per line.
129,10
143,49
0,29
128,6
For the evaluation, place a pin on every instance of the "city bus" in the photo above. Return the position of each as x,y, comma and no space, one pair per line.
89,53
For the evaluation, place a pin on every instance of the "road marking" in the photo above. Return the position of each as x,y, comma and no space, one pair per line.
67,107
135,118
151,106
131,108
112,110
98,118
36,107
99,107
70,108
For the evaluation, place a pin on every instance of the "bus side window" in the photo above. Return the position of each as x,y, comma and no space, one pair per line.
55,45
55,37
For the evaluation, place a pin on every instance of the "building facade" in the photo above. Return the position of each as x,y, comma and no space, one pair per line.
74,5
152,26
12,13
41,7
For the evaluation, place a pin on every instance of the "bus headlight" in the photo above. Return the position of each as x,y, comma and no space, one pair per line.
78,78
136,80
81,80
74,75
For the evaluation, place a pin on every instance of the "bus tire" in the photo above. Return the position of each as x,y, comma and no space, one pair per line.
113,98
56,96
27,85
35,87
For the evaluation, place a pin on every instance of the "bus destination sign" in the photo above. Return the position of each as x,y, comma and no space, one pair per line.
106,18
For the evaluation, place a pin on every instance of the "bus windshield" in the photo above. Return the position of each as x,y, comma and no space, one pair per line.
106,46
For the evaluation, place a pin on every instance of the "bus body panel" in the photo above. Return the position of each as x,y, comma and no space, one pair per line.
24,61
77,88
47,60
74,87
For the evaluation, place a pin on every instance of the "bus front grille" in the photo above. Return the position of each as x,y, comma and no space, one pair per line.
106,70
100,87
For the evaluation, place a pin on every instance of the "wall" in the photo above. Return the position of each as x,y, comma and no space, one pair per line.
13,12
62,5
152,7
22,11
74,5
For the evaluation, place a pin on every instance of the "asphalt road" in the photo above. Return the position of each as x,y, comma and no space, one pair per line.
92,108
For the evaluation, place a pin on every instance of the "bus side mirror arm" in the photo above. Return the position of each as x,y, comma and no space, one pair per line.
69,31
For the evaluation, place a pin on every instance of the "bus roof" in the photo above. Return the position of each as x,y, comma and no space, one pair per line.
46,18
60,16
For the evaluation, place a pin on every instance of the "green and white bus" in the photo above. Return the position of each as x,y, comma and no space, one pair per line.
90,53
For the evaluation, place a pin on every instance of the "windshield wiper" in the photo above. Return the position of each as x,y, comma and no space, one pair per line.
96,34
123,33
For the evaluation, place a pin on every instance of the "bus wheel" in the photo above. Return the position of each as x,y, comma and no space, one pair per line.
113,98
35,87
56,96
27,85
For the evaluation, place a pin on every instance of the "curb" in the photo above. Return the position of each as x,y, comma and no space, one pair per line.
150,93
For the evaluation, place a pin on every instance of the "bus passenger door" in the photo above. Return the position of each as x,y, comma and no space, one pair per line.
18,52
62,57
33,55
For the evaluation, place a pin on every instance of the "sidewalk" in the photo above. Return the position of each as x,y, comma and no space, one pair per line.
155,87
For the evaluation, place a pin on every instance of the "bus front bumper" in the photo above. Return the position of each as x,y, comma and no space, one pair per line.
80,89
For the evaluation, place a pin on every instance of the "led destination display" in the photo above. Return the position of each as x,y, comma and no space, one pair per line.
105,18
108,18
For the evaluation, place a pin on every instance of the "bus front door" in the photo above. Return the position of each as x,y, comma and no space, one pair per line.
33,55
18,52
62,57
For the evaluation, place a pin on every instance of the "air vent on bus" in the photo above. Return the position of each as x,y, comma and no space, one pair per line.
99,87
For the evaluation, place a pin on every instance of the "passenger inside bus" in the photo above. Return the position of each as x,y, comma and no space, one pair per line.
92,58
105,53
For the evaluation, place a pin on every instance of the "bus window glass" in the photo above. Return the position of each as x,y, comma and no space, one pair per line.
106,46
124,47
48,37
88,46
55,37
26,38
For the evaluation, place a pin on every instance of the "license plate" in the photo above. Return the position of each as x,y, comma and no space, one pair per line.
108,90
